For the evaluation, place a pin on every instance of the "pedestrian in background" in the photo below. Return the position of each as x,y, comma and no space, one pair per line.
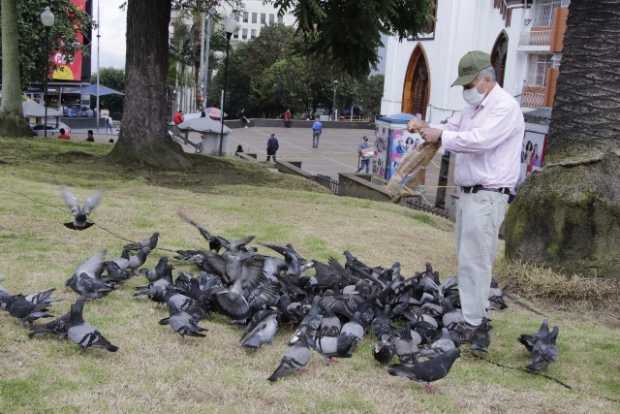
272,147
317,128
178,117
364,156
287,118
90,137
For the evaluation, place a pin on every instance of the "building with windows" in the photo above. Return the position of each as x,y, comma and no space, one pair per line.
524,38
254,15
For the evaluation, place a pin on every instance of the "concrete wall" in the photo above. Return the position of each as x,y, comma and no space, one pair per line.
462,26
354,186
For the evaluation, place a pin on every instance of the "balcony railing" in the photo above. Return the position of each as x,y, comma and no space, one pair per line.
537,37
533,96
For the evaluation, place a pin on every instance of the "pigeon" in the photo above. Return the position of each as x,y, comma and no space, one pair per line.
80,213
406,345
26,310
232,302
441,345
184,324
544,351
429,370
58,327
330,326
261,331
529,340
147,245
542,346
294,359
157,291
384,350
89,287
216,243
162,269
93,266
82,333
122,268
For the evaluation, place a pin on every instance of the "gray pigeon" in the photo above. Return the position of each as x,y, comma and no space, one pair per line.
162,270
261,331
232,302
27,311
295,359
184,324
80,213
157,291
441,345
429,370
147,245
406,345
330,326
544,352
89,287
82,333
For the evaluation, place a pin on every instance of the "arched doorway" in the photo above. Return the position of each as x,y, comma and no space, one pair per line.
498,56
417,88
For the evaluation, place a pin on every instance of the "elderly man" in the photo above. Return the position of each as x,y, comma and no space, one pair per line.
487,138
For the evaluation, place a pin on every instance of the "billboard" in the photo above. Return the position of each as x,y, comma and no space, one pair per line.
79,67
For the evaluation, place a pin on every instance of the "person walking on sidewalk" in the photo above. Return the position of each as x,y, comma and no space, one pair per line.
317,128
272,147
487,138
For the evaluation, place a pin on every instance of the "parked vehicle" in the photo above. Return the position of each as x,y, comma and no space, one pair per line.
53,130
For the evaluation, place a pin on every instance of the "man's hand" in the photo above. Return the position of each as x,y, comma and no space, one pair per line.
415,125
431,135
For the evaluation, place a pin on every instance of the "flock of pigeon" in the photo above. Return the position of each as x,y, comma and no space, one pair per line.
331,306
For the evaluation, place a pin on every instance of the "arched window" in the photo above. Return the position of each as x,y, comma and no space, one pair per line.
498,56
417,87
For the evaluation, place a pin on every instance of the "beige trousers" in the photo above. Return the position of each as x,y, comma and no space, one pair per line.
478,219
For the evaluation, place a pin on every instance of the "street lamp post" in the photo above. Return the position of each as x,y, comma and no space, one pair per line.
230,27
334,104
47,18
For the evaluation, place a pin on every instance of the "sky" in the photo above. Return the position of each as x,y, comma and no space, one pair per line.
113,28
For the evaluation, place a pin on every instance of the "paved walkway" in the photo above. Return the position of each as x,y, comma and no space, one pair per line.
337,150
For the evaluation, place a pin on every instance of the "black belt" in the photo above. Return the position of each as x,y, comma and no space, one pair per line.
473,189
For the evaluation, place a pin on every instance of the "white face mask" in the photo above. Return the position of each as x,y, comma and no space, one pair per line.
472,96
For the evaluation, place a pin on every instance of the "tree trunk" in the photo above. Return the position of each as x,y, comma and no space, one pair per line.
12,122
144,138
568,215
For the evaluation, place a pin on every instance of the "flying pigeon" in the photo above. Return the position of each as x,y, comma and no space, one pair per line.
82,333
80,213
542,346
89,287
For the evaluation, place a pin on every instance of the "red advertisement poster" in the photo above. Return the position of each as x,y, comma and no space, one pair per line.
69,71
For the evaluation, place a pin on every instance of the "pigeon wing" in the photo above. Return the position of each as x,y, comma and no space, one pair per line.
71,201
92,202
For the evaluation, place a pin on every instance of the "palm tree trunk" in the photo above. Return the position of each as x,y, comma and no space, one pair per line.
144,139
568,216
12,122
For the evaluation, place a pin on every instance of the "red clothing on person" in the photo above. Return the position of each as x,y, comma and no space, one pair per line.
178,118
64,136
287,116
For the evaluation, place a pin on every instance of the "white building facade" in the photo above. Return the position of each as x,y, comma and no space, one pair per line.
254,15
524,38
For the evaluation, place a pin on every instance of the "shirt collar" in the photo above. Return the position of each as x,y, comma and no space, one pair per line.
490,97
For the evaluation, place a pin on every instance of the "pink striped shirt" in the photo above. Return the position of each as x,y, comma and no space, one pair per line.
487,140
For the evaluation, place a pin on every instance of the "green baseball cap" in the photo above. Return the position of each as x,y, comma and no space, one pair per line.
470,66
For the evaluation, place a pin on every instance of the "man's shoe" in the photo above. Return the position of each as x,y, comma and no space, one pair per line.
481,339
462,333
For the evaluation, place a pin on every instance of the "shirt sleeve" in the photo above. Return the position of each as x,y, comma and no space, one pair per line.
497,127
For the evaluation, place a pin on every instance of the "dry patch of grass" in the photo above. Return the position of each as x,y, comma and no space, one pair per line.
540,283
156,371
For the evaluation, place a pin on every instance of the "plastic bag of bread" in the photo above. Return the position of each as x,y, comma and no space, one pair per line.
411,172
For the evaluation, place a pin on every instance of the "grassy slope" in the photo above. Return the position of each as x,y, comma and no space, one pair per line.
157,371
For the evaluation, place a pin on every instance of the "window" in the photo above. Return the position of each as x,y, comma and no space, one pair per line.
244,34
245,17
263,18
237,18
272,18
538,66
254,18
236,34
253,34
542,12
281,19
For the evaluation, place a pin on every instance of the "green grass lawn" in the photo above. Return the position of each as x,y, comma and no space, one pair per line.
156,371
